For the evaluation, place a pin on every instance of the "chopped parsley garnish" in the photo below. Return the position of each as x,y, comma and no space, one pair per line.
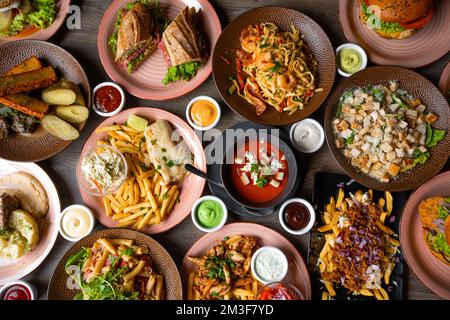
254,167
170,163
275,67
261,182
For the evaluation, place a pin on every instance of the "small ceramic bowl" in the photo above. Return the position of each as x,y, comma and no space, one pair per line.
63,233
319,131
194,214
311,211
291,292
118,109
191,121
87,185
283,261
360,51
32,293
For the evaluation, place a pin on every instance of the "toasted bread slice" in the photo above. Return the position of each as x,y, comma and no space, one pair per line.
30,64
27,81
25,104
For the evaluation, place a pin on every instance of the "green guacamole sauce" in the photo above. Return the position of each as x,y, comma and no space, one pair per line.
350,60
209,213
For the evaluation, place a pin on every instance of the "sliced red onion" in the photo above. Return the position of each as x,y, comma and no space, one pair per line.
362,244
392,219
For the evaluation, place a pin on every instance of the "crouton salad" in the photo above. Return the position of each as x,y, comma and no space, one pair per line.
384,131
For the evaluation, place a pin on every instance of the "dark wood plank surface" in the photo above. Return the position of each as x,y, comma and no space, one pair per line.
83,45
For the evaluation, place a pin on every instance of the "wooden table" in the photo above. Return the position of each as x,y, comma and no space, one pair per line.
83,45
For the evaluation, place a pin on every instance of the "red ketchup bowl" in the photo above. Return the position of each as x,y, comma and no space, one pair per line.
108,99
279,291
18,290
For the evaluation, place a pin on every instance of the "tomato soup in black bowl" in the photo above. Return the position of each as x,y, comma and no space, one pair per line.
262,173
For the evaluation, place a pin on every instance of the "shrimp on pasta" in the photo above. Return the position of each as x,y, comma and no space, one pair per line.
275,68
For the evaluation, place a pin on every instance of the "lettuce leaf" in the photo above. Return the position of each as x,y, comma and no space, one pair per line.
185,71
44,13
42,16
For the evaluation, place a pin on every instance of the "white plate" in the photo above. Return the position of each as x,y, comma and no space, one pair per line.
17,269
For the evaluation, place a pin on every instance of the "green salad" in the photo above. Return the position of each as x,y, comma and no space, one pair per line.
38,13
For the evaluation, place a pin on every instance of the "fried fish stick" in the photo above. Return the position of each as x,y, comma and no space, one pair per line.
27,81
27,65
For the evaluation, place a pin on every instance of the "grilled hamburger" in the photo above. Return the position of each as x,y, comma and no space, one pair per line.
396,19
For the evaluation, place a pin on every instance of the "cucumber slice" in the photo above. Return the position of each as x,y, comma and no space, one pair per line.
5,20
137,123
26,7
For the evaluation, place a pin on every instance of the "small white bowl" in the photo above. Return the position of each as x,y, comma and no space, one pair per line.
122,103
194,215
360,51
284,261
191,121
61,216
312,214
321,132
28,285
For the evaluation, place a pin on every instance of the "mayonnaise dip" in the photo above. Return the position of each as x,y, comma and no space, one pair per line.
76,222
307,136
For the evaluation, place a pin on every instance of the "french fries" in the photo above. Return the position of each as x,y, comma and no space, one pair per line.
143,199
337,218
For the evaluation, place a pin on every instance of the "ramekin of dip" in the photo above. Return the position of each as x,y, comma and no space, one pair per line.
350,58
18,290
209,214
108,99
307,136
269,264
76,222
203,113
297,216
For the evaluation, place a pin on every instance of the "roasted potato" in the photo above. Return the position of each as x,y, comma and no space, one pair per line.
56,95
73,114
24,223
11,252
59,128
79,101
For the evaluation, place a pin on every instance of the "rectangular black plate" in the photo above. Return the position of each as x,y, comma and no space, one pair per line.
325,186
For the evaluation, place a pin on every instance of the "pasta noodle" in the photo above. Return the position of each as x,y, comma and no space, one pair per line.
275,68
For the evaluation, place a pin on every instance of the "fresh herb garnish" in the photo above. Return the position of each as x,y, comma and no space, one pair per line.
275,67
261,182
350,139
254,167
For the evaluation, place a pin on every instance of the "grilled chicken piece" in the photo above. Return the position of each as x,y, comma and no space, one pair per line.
167,155
219,290
235,256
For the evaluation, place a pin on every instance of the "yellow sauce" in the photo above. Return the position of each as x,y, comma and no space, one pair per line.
203,113
76,223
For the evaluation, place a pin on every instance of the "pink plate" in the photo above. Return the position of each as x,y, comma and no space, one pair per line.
423,47
298,273
432,272
444,82
43,34
19,268
192,187
146,81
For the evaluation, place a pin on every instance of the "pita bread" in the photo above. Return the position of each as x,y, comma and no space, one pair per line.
28,190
